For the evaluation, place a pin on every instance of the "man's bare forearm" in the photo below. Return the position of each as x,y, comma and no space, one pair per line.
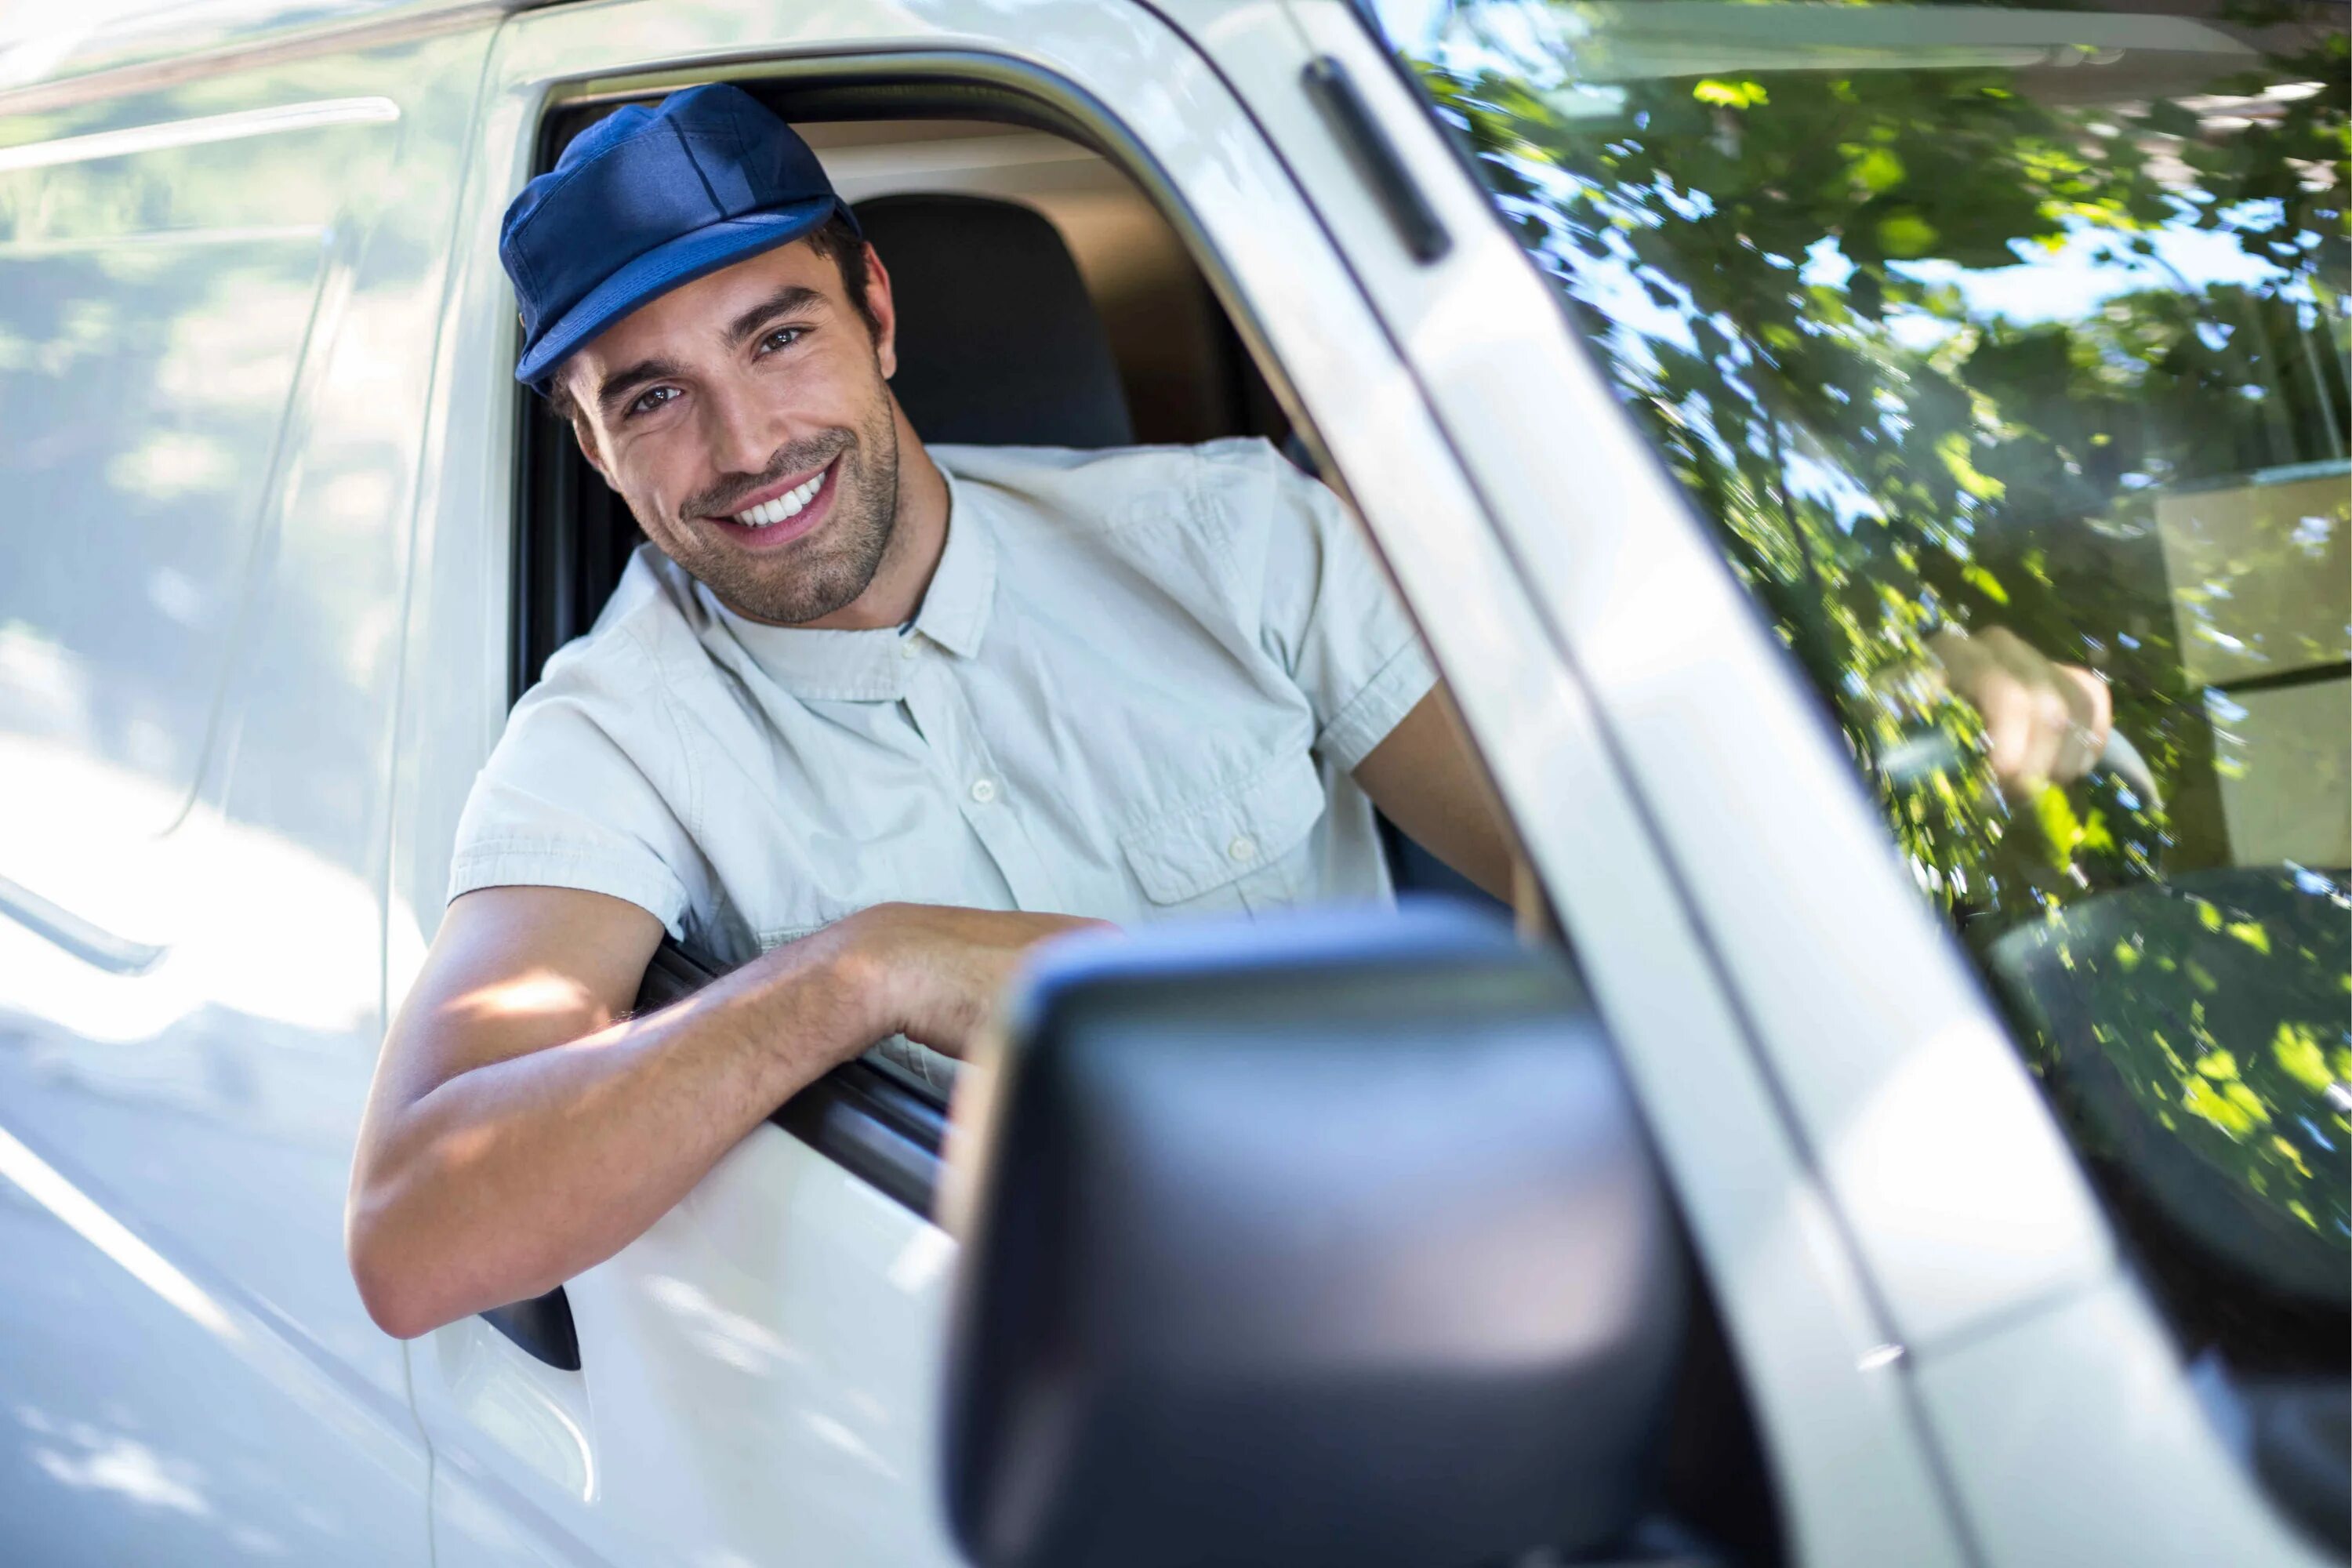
510,1177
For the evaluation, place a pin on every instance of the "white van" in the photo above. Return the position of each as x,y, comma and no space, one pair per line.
1848,1164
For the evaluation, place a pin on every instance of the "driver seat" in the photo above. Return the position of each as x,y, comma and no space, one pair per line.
999,342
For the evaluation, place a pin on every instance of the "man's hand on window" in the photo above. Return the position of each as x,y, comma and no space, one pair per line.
933,972
2048,721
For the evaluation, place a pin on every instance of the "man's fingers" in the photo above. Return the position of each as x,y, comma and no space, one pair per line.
2029,727
2102,699
2095,712
2007,709
2044,720
2054,724
951,964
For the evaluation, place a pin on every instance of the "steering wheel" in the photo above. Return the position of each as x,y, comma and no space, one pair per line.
1919,756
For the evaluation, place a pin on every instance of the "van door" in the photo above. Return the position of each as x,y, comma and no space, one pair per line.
217,299
756,1378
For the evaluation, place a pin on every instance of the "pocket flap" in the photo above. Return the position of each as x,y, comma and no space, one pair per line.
1227,834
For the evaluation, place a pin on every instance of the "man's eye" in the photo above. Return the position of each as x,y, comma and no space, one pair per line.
650,399
782,338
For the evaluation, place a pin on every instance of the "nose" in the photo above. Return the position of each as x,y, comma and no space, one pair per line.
743,433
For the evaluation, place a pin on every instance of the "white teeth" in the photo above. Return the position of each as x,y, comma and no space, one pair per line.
788,504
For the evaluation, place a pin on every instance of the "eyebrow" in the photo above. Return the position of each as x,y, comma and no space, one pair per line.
621,382
791,297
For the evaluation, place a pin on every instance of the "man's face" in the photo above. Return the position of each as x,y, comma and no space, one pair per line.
747,420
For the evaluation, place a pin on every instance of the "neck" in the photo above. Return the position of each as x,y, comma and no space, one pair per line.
918,535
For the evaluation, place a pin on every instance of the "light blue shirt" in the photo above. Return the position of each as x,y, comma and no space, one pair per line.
1137,688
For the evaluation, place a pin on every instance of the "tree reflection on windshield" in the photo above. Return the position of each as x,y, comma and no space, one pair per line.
1966,317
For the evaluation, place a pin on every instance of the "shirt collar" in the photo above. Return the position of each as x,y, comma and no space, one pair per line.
962,591
873,666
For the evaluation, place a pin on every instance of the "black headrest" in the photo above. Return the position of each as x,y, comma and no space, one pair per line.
998,341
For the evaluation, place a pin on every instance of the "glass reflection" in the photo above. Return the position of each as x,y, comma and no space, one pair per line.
1951,319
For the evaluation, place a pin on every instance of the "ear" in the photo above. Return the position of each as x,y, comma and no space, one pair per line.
582,434
587,440
886,313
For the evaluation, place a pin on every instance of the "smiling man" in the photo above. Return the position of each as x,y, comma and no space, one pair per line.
865,718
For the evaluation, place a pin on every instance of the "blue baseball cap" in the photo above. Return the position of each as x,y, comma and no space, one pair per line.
646,199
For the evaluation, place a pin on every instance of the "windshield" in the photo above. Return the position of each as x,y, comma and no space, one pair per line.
1956,322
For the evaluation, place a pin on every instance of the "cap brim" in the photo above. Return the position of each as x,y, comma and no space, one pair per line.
663,267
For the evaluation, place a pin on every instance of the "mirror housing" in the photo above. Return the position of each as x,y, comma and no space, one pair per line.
1336,1239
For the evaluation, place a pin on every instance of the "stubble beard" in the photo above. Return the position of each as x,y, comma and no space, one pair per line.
813,577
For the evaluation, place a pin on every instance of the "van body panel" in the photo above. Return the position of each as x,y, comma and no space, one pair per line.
222,298
2053,1418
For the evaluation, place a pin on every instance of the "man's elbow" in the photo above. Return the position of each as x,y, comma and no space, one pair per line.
392,1288
397,1315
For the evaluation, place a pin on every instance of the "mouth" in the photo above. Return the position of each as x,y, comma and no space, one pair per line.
775,515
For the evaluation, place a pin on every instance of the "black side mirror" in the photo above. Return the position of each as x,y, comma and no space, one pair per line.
1335,1241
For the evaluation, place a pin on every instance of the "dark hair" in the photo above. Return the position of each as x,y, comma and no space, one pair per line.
834,241
838,241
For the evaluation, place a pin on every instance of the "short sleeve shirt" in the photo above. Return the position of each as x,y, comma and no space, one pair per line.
1136,688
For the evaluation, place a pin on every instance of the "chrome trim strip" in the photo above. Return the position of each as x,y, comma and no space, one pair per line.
198,132
107,244
93,944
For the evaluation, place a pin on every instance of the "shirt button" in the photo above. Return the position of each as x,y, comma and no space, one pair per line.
907,648
984,790
1243,848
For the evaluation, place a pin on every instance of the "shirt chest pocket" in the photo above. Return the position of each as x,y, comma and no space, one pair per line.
1240,849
